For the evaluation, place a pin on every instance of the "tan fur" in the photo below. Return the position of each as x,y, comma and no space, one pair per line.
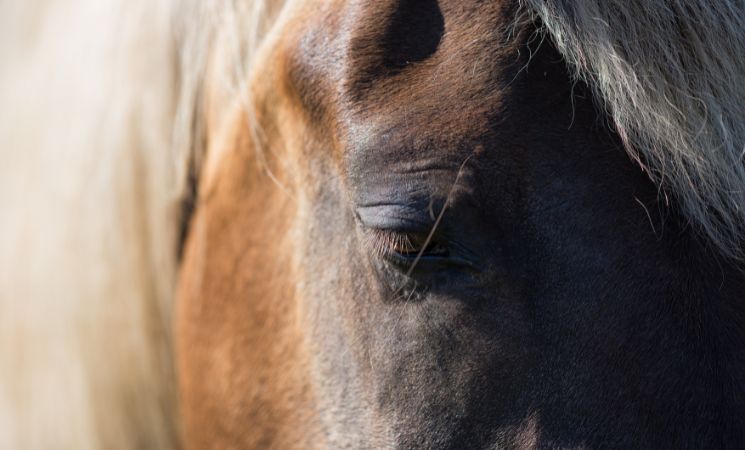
228,305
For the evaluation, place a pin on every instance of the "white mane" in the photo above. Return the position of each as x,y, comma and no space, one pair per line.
99,122
89,183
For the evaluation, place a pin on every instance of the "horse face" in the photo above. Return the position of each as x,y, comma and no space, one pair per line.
461,253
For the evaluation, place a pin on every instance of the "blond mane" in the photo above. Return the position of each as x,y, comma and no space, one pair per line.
102,122
99,124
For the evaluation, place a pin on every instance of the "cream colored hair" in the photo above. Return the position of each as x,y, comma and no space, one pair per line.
99,101
100,121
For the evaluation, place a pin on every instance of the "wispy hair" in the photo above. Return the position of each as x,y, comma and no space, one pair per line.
100,124
671,75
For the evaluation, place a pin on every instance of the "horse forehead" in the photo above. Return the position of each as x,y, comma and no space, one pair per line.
399,58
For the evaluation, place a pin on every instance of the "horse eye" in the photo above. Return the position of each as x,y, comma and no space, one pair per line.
415,244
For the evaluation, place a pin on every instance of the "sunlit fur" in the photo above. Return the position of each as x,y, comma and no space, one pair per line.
102,117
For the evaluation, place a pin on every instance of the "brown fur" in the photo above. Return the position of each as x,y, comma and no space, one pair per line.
239,325
247,377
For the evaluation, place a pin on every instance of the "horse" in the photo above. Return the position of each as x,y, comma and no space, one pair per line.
390,224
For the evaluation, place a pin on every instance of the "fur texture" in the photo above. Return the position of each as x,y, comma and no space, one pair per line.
670,74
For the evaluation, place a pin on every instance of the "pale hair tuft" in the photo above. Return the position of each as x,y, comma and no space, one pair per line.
671,74
100,125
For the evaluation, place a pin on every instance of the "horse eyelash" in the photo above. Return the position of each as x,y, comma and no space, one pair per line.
384,243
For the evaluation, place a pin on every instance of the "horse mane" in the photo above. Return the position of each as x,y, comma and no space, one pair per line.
100,124
671,77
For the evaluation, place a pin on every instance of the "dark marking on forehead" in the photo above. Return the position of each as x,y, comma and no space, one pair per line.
379,61
396,50
413,33
387,36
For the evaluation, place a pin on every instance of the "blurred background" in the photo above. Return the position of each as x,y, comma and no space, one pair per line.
87,206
